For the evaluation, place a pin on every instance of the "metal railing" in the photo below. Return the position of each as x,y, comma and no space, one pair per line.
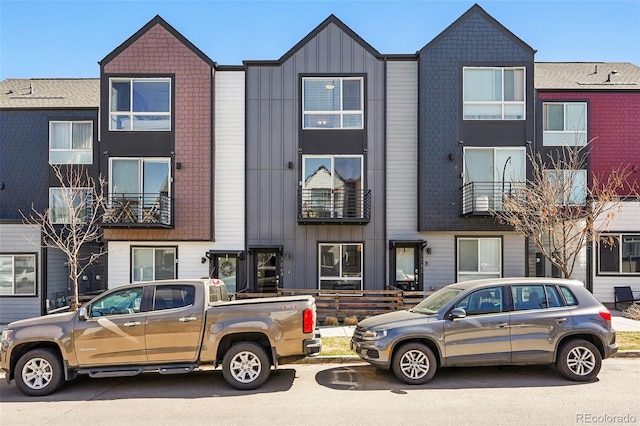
150,210
334,205
481,198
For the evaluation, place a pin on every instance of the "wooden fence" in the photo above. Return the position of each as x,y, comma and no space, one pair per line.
345,303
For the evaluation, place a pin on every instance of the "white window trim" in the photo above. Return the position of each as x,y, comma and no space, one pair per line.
153,260
565,174
131,113
70,149
620,237
579,137
322,278
141,161
53,218
494,165
13,274
341,112
502,103
476,273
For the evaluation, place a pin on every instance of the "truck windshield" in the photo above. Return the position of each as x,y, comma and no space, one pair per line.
434,302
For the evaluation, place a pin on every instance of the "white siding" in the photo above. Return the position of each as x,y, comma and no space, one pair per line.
229,160
625,220
402,150
18,238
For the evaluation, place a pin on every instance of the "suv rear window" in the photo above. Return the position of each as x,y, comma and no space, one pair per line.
569,297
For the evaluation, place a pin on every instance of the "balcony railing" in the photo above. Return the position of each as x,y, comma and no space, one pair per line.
481,198
324,205
140,210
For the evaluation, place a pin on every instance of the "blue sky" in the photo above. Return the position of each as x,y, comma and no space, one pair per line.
49,38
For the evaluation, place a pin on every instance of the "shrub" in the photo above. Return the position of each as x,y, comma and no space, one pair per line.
331,321
352,320
633,312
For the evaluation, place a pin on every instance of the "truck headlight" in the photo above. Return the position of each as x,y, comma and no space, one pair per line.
374,334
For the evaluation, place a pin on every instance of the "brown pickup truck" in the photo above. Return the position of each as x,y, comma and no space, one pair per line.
169,327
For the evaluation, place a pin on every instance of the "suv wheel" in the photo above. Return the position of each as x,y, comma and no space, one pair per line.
579,360
414,364
246,365
39,372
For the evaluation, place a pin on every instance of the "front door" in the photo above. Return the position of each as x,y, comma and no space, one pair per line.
267,267
406,266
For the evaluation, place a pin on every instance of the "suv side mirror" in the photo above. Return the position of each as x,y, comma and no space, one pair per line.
83,315
457,313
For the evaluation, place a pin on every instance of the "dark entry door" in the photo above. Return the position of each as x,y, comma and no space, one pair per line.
267,267
406,266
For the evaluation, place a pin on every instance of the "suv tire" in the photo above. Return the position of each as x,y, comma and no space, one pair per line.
414,363
246,365
39,372
579,360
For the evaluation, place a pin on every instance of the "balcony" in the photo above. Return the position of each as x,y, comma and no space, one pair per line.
125,210
481,198
336,206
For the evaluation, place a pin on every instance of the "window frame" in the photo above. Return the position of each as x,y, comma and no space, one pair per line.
341,112
33,257
567,196
141,162
502,102
85,197
478,273
340,277
619,236
72,152
579,136
131,113
132,271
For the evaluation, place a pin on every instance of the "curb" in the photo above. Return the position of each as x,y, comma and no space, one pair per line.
627,354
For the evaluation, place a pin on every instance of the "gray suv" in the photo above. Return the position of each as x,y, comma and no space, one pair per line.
515,321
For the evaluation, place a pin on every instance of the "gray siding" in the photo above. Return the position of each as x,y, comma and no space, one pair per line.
273,127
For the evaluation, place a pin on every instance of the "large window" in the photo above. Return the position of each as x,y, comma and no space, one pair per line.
564,123
17,274
494,93
571,186
149,176
66,202
70,142
479,258
332,103
340,266
140,104
619,254
153,263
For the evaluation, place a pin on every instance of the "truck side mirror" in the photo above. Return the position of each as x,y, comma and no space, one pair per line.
83,314
457,313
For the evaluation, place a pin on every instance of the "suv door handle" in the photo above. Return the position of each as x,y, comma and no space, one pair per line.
502,325
561,320
187,319
132,324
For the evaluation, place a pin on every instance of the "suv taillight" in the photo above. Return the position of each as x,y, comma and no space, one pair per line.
605,314
308,321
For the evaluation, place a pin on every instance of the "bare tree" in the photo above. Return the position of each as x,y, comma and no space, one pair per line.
72,220
557,209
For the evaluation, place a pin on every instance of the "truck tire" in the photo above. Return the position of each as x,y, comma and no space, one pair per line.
579,360
246,365
39,372
414,364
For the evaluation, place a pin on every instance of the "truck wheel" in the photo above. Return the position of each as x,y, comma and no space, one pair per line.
579,360
414,364
39,372
246,365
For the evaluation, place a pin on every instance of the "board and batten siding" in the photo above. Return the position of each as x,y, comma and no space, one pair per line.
626,221
16,239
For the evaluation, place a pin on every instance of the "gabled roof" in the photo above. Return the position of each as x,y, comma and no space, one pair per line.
475,9
157,20
586,76
49,93
331,19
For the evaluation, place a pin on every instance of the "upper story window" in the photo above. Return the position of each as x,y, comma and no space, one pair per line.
332,103
17,274
571,186
133,176
494,93
66,202
70,142
619,254
564,123
141,104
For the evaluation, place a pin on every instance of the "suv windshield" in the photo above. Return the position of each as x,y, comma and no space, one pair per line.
434,302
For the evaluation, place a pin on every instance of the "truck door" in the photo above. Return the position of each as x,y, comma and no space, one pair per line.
175,323
114,333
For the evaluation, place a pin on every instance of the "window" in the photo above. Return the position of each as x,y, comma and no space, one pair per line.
70,142
134,176
333,186
616,258
536,296
340,266
479,258
140,104
65,202
494,93
485,301
173,296
153,263
17,274
332,103
122,302
564,123
571,186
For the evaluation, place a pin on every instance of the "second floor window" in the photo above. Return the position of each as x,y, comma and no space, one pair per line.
132,177
332,103
494,94
70,142
564,123
141,104
64,203
569,185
